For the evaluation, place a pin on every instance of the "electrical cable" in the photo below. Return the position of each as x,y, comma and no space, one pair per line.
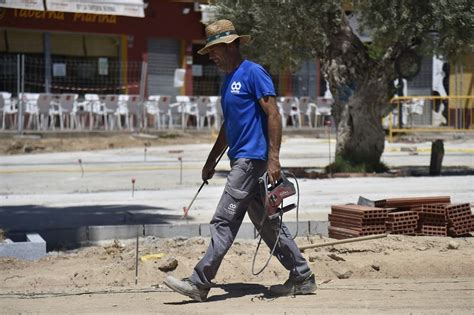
280,218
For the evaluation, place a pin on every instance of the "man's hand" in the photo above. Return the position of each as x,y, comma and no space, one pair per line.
207,171
216,153
273,171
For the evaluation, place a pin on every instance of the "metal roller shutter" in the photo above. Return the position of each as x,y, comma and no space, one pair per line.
163,59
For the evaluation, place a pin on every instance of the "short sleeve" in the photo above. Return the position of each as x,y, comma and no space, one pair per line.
262,83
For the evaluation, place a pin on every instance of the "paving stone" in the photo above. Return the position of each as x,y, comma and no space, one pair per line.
33,248
246,231
318,228
104,233
167,231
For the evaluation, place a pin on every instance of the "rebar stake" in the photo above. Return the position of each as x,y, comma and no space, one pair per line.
133,187
82,169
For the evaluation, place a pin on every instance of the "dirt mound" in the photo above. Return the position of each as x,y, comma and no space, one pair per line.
113,265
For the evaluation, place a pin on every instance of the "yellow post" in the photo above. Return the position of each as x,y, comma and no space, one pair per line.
124,53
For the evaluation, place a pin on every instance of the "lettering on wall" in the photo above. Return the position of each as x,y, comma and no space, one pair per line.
76,17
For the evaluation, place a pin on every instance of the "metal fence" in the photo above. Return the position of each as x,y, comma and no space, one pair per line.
32,73
430,113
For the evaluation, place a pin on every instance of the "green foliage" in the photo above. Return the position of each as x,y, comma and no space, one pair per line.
286,32
341,165
439,26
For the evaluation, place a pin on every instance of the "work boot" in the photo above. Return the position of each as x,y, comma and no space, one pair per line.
186,287
292,287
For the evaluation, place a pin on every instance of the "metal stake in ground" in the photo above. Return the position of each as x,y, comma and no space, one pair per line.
145,154
136,257
133,186
82,169
180,159
328,124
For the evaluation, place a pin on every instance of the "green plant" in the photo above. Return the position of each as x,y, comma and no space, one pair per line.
343,166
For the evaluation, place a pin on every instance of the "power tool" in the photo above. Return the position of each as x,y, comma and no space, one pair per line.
274,194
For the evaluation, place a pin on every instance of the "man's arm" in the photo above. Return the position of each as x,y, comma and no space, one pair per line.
270,107
219,146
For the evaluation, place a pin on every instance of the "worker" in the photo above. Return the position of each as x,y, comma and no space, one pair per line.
252,130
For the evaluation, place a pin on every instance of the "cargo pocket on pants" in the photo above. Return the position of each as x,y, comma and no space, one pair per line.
235,202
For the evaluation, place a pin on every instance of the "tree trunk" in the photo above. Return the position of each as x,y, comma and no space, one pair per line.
359,85
361,137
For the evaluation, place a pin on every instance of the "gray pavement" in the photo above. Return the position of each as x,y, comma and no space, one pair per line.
48,191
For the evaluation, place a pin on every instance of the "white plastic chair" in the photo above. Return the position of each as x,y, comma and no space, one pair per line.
216,110
65,109
133,104
305,109
92,107
164,111
288,109
45,102
122,110
30,109
186,105
111,103
151,109
203,112
8,108
323,109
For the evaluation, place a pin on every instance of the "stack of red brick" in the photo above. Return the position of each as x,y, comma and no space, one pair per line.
354,220
411,216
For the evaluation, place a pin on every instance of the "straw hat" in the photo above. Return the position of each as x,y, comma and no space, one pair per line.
222,31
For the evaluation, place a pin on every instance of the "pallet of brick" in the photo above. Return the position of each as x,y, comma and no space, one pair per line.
402,222
356,220
458,216
412,203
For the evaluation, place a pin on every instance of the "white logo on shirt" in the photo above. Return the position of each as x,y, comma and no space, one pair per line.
235,87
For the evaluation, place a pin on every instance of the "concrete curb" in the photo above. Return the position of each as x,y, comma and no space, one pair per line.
32,249
91,235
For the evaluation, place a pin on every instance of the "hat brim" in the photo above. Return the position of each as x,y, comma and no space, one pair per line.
244,39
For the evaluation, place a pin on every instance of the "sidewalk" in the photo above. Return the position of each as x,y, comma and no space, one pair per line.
49,192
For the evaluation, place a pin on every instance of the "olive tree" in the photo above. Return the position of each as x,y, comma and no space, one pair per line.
360,75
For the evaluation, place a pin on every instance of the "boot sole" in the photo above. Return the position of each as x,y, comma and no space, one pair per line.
184,292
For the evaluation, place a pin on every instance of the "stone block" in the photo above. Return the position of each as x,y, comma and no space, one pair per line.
246,231
169,231
33,248
318,228
303,228
112,232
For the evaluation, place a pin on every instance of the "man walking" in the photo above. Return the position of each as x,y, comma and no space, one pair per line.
252,130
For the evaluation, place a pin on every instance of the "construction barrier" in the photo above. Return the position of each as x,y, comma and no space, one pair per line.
430,114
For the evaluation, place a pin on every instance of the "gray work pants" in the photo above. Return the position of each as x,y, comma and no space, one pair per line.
242,194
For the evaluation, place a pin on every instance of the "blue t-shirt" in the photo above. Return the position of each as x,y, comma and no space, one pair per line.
244,120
